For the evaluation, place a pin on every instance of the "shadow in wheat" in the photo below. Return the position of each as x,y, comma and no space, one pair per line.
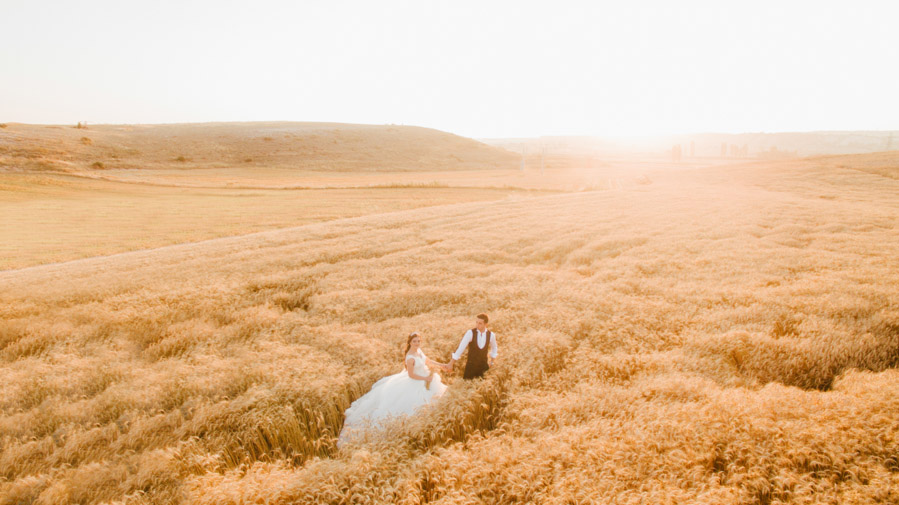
807,363
266,426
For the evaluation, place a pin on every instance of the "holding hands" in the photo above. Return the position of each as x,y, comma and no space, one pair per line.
485,344
444,367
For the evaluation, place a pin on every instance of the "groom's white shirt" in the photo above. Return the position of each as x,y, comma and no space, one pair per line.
482,340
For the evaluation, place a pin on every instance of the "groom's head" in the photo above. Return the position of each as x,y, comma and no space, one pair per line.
482,322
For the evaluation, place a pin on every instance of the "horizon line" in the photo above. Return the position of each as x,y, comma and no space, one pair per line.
509,137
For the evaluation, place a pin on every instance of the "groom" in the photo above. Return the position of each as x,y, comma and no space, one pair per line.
482,351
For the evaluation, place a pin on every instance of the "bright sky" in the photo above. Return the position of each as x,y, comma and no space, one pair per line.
475,68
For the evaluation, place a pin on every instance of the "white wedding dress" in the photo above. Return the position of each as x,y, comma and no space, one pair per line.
392,396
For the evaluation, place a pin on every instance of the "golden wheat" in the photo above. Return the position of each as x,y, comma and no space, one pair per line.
722,335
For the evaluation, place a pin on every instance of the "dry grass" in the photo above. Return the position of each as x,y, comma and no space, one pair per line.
721,335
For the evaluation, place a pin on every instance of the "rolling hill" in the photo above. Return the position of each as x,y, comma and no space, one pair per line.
300,146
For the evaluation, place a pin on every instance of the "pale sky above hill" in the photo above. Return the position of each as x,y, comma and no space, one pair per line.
476,68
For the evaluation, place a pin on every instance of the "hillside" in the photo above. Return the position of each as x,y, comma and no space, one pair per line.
300,146
712,335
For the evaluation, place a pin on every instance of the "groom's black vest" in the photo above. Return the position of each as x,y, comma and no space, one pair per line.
476,364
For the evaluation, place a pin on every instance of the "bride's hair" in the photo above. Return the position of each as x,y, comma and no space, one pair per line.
409,344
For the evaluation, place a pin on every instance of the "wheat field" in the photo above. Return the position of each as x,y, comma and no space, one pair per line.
726,334
61,217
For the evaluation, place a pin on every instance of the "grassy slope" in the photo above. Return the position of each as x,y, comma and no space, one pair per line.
724,335
306,146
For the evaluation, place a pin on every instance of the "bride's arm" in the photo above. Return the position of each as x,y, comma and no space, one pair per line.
431,363
410,367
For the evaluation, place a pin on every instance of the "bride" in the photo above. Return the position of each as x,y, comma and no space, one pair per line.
396,395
